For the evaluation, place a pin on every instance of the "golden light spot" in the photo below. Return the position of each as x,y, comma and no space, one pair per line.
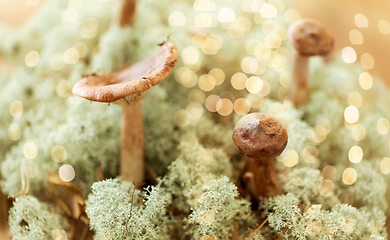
31,59
361,20
249,65
211,102
176,18
181,118
190,55
32,2
30,150
242,106
268,26
76,4
384,27
256,6
81,48
278,4
367,61
268,11
284,79
325,123
358,132
318,137
313,227
280,63
189,141
326,188
320,130
356,37
261,51
206,82
349,176
291,15
255,100
206,217
196,95
250,45
385,165
351,114
355,154
71,56
16,108
208,238
310,154
348,224
32,169
236,30
89,29
59,235
195,110
349,55
254,84
210,47
199,40
355,99
204,5
64,88
188,78
69,15
329,230
383,126
365,80
218,75
14,132
273,40
329,173
224,107
245,23
57,62
58,153
290,159
226,15
204,156
66,173
312,211
347,198
205,20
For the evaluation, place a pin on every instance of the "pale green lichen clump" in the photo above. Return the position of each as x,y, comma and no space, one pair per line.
199,193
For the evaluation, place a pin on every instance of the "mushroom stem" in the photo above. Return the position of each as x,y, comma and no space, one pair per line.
127,13
300,79
265,178
132,143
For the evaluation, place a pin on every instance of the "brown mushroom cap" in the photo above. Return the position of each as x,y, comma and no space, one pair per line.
131,83
310,37
260,136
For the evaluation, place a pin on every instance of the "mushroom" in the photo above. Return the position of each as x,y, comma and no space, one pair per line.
127,12
127,88
261,138
309,37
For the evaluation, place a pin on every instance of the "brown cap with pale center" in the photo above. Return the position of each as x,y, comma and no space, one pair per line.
310,37
132,83
260,136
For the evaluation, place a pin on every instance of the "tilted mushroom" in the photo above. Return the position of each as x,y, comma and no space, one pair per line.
127,88
309,37
262,138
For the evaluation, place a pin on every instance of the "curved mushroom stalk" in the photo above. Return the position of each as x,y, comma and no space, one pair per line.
127,88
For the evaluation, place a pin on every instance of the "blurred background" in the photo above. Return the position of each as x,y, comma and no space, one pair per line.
361,27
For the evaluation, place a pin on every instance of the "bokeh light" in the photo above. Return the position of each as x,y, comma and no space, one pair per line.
30,150
14,132
195,110
367,61
290,158
89,29
196,95
268,11
329,173
31,59
349,176
356,37
310,154
358,132
361,20
385,165
349,55
69,15
211,102
351,114
58,153
355,99
16,108
384,27
365,80
66,173
326,188
224,107
355,154
181,118
190,55
290,15
238,81
254,84
242,106
255,100
57,62
383,126
226,15
64,88
189,141
71,56
177,18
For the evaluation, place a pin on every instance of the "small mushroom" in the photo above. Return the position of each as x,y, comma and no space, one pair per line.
262,138
309,38
127,12
127,88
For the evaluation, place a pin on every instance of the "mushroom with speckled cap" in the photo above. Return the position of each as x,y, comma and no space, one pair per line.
127,88
262,138
309,38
